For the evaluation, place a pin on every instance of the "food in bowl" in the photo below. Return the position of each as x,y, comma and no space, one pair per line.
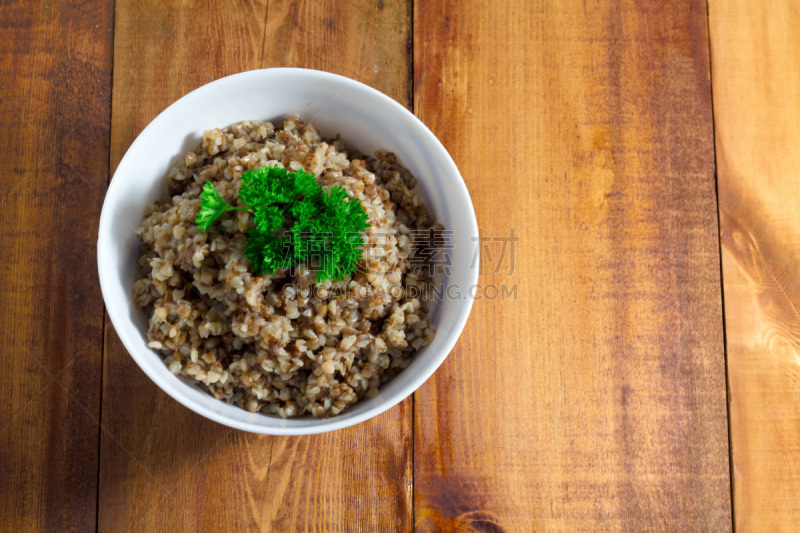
285,340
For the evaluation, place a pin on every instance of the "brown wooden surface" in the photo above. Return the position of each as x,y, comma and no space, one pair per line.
55,84
595,400
756,73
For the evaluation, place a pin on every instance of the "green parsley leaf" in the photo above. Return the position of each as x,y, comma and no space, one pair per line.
212,206
294,221
268,253
343,220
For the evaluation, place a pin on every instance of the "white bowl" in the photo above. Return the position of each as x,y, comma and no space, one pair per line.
367,120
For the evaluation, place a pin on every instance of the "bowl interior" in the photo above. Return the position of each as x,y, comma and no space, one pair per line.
367,120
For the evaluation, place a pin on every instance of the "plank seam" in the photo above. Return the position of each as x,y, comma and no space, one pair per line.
105,313
264,36
269,468
721,272
411,93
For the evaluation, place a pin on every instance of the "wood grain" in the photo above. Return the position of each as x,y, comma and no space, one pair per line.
596,399
163,468
755,53
55,83
592,400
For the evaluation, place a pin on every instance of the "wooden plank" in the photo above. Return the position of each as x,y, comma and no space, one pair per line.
163,468
55,85
367,40
755,52
595,400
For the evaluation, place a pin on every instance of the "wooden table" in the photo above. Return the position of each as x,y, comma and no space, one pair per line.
644,153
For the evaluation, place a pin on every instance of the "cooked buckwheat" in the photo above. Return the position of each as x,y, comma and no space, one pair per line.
283,344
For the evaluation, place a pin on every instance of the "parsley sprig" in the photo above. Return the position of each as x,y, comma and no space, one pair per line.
294,221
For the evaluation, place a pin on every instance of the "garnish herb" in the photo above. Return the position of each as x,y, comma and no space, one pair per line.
294,221
211,207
